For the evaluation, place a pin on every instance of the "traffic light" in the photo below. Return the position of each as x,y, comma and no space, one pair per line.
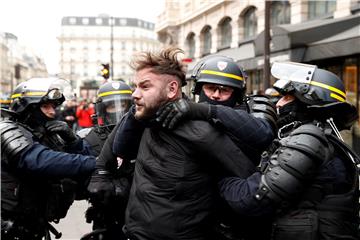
105,71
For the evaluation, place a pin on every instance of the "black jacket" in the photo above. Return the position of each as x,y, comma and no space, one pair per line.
173,193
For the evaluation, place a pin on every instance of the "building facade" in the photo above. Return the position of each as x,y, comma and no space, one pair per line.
88,42
325,33
17,63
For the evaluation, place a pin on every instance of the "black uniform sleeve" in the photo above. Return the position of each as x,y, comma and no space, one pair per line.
248,130
217,148
239,194
128,136
41,161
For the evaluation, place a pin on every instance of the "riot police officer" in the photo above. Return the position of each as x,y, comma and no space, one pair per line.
113,101
38,178
221,85
308,182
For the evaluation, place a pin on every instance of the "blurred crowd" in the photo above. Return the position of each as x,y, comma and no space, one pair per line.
77,114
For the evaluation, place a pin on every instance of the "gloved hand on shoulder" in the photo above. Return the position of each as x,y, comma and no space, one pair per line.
174,112
62,129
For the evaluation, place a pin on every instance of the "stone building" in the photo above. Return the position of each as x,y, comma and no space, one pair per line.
88,42
17,63
325,33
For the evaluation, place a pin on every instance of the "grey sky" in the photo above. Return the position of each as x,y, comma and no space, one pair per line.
37,22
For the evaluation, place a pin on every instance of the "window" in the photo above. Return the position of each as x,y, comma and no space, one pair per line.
190,44
318,9
85,21
350,76
225,33
250,23
98,21
355,7
206,40
72,20
280,13
123,21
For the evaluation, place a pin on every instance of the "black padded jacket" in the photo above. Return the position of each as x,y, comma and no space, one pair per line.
174,193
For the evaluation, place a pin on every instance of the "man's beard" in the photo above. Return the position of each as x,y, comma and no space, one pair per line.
149,109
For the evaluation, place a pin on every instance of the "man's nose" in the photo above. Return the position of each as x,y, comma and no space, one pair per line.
136,93
216,94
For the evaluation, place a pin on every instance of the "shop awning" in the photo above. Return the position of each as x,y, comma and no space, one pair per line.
307,41
302,42
342,44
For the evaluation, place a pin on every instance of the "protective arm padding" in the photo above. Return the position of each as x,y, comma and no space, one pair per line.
294,163
13,141
262,107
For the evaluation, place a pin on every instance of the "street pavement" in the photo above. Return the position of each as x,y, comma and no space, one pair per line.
74,226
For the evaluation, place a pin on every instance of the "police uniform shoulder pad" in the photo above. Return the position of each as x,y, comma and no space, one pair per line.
14,140
294,163
262,107
310,140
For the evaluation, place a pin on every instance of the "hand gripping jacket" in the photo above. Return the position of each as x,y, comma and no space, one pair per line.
262,107
13,141
294,163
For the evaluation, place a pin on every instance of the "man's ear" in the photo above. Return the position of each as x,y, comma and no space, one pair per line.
173,89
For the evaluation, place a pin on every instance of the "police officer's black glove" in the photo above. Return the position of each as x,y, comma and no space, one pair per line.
174,112
62,129
101,187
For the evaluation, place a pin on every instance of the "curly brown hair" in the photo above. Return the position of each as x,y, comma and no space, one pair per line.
164,62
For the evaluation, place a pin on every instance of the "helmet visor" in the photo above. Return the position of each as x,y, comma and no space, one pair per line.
289,73
58,87
111,110
51,88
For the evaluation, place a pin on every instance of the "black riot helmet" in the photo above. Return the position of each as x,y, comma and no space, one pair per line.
322,92
220,70
36,91
113,101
